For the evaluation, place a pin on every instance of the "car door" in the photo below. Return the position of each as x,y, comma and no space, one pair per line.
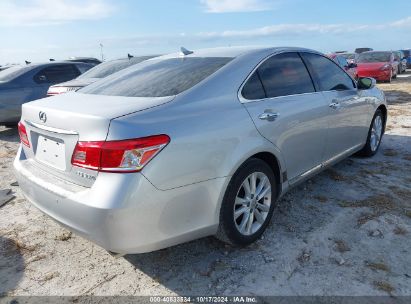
347,111
281,99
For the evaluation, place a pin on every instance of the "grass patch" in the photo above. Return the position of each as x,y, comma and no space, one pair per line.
321,199
378,266
398,230
341,246
377,202
334,175
384,286
65,236
390,152
366,217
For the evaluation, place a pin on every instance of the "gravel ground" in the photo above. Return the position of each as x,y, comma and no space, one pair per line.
344,232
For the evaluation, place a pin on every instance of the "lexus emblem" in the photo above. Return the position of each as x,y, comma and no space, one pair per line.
42,116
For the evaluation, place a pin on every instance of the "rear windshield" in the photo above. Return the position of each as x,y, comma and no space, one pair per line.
110,67
374,57
158,78
348,56
13,72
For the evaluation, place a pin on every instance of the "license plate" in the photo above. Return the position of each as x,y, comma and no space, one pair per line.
51,152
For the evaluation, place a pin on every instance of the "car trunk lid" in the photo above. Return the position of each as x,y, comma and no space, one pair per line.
55,125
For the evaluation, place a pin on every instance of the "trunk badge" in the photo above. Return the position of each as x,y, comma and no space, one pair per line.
42,116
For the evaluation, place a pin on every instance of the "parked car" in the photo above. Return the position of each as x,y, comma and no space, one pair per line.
350,68
185,146
379,65
362,50
89,60
94,74
21,84
351,57
402,61
407,55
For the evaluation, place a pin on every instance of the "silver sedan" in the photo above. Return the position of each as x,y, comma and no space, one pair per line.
192,144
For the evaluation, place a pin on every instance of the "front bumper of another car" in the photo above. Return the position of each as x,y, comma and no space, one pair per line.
123,213
379,75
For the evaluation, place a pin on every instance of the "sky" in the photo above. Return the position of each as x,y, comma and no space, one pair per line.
37,30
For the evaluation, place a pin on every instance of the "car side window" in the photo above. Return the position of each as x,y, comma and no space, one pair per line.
343,61
57,74
327,74
280,75
253,89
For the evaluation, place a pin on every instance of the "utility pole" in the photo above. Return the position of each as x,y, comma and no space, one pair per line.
101,52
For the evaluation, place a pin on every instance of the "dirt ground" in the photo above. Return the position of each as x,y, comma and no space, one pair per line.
344,232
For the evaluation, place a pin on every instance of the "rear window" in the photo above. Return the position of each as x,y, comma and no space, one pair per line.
348,56
158,78
13,72
110,67
374,57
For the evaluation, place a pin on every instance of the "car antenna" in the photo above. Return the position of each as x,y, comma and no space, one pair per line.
185,52
129,56
27,62
51,59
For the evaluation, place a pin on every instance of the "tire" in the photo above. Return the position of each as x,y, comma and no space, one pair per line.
371,147
237,202
390,79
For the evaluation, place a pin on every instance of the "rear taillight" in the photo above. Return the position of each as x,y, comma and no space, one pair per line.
23,135
129,155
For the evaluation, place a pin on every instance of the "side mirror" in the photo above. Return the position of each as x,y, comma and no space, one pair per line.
366,83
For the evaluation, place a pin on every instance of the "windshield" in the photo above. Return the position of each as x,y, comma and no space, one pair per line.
348,56
110,67
13,72
158,78
374,57
406,53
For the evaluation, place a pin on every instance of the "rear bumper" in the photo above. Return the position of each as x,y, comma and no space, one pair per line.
123,213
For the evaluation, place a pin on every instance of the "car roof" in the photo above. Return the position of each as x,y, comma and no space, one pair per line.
50,63
234,51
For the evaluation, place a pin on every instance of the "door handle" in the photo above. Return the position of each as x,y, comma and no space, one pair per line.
335,105
268,116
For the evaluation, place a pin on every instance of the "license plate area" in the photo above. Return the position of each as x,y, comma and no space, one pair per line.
51,151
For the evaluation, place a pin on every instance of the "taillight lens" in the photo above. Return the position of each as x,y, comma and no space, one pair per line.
129,155
23,135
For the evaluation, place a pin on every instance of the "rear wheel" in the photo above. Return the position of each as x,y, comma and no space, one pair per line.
374,135
248,203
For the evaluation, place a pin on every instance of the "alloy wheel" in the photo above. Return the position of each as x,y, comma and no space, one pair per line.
252,203
376,133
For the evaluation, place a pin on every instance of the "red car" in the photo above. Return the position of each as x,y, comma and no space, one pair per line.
350,68
379,65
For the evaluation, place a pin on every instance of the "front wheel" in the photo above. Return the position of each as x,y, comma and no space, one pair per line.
374,135
248,203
